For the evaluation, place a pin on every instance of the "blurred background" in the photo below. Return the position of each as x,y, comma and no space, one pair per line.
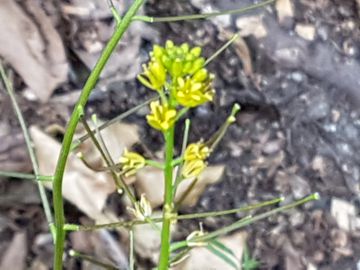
295,72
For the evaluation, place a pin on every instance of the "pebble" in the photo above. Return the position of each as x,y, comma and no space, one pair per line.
297,76
306,31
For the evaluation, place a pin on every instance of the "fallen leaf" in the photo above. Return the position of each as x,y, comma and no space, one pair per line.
14,257
202,258
32,46
150,181
86,189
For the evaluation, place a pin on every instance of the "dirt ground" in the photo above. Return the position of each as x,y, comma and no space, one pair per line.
294,71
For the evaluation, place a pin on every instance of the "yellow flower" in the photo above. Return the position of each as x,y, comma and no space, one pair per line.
178,60
154,75
162,117
196,151
193,168
196,90
131,162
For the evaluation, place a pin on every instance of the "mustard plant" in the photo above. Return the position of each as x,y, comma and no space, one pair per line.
180,80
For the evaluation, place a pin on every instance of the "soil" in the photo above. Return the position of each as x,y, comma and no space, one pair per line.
297,131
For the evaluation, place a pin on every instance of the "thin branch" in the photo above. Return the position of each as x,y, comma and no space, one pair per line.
29,145
201,16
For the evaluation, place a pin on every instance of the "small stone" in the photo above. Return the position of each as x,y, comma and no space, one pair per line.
299,187
306,31
339,238
251,25
335,115
311,267
297,76
343,212
297,219
284,9
272,147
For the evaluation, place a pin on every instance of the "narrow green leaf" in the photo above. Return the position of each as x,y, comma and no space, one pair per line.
223,256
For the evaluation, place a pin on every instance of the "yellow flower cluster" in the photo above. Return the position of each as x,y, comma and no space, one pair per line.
195,156
161,117
178,74
131,162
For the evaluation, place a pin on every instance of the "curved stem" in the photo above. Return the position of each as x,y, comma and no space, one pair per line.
69,134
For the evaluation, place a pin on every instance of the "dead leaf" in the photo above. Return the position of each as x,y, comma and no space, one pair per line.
32,46
150,181
86,189
202,258
15,255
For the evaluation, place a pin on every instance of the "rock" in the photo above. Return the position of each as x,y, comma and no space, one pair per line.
251,25
284,9
306,31
299,187
343,212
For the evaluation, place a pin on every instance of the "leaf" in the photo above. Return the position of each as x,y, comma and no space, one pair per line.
221,254
32,46
86,189
15,255
221,246
204,258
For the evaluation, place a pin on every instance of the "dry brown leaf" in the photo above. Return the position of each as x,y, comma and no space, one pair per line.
202,258
32,46
150,181
86,189
15,255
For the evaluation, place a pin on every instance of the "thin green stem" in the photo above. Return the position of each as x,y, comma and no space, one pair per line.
69,134
92,260
201,16
178,177
29,145
129,224
131,251
244,222
221,49
119,181
43,178
168,204
154,164
116,119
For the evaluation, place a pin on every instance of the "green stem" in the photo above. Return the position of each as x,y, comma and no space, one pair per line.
129,224
29,145
69,134
43,178
178,177
168,204
154,164
116,119
201,16
92,260
221,49
244,222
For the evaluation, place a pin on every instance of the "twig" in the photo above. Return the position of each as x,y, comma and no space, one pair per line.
29,145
